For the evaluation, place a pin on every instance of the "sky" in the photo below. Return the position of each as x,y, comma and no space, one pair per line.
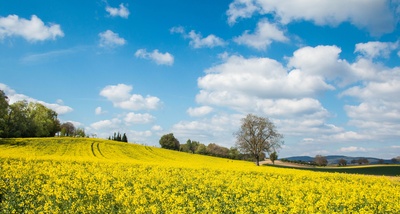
326,73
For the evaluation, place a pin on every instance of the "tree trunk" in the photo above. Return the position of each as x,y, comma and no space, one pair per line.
258,160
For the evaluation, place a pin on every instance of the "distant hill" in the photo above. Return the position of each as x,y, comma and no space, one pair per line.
333,159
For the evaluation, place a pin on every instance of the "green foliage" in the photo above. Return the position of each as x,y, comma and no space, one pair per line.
168,141
23,119
3,111
273,157
67,130
119,137
201,149
80,132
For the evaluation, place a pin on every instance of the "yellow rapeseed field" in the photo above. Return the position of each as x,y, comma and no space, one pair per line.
69,175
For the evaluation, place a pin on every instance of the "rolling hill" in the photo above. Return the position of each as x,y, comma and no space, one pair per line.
333,159
84,175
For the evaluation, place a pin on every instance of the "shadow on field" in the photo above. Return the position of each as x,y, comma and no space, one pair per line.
12,142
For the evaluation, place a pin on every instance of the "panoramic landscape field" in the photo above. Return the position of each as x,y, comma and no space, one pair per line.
86,175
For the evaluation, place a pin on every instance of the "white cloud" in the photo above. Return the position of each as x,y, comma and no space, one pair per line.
352,149
131,117
156,128
13,97
376,49
99,111
324,62
121,97
239,78
241,9
109,39
217,129
375,16
31,30
156,56
106,124
199,111
263,36
197,40
122,11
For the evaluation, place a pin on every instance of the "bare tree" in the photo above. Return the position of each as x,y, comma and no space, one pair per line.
257,135
320,160
342,162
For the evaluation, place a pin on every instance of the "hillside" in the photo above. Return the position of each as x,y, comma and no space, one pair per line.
333,159
90,149
82,175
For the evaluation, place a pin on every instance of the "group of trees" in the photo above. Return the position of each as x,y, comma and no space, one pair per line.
119,137
168,141
256,137
23,119
68,130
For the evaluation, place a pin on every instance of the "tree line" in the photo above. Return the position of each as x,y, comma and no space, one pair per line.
32,119
256,137
26,119
119,137
168,141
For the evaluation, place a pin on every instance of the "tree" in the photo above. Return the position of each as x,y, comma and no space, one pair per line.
361,161
168,141
216,150
18,122
256,136
80,132
44,120
320,160
3,112
124,138
342,162
67,129
192,145
234,153
273,156
201,149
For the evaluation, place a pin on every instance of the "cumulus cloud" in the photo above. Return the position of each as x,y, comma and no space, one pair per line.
199,111
156,128
218,127
352,149
121,97
197,40
32,30
263,36
106,124
376,49
132,117
122,11
241,9
109,39
323,61
375,16
13,97
159,58
260,77
99,111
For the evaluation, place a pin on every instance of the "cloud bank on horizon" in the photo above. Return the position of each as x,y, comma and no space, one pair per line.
325,72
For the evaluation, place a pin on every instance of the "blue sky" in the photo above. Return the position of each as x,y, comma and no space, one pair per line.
327,73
